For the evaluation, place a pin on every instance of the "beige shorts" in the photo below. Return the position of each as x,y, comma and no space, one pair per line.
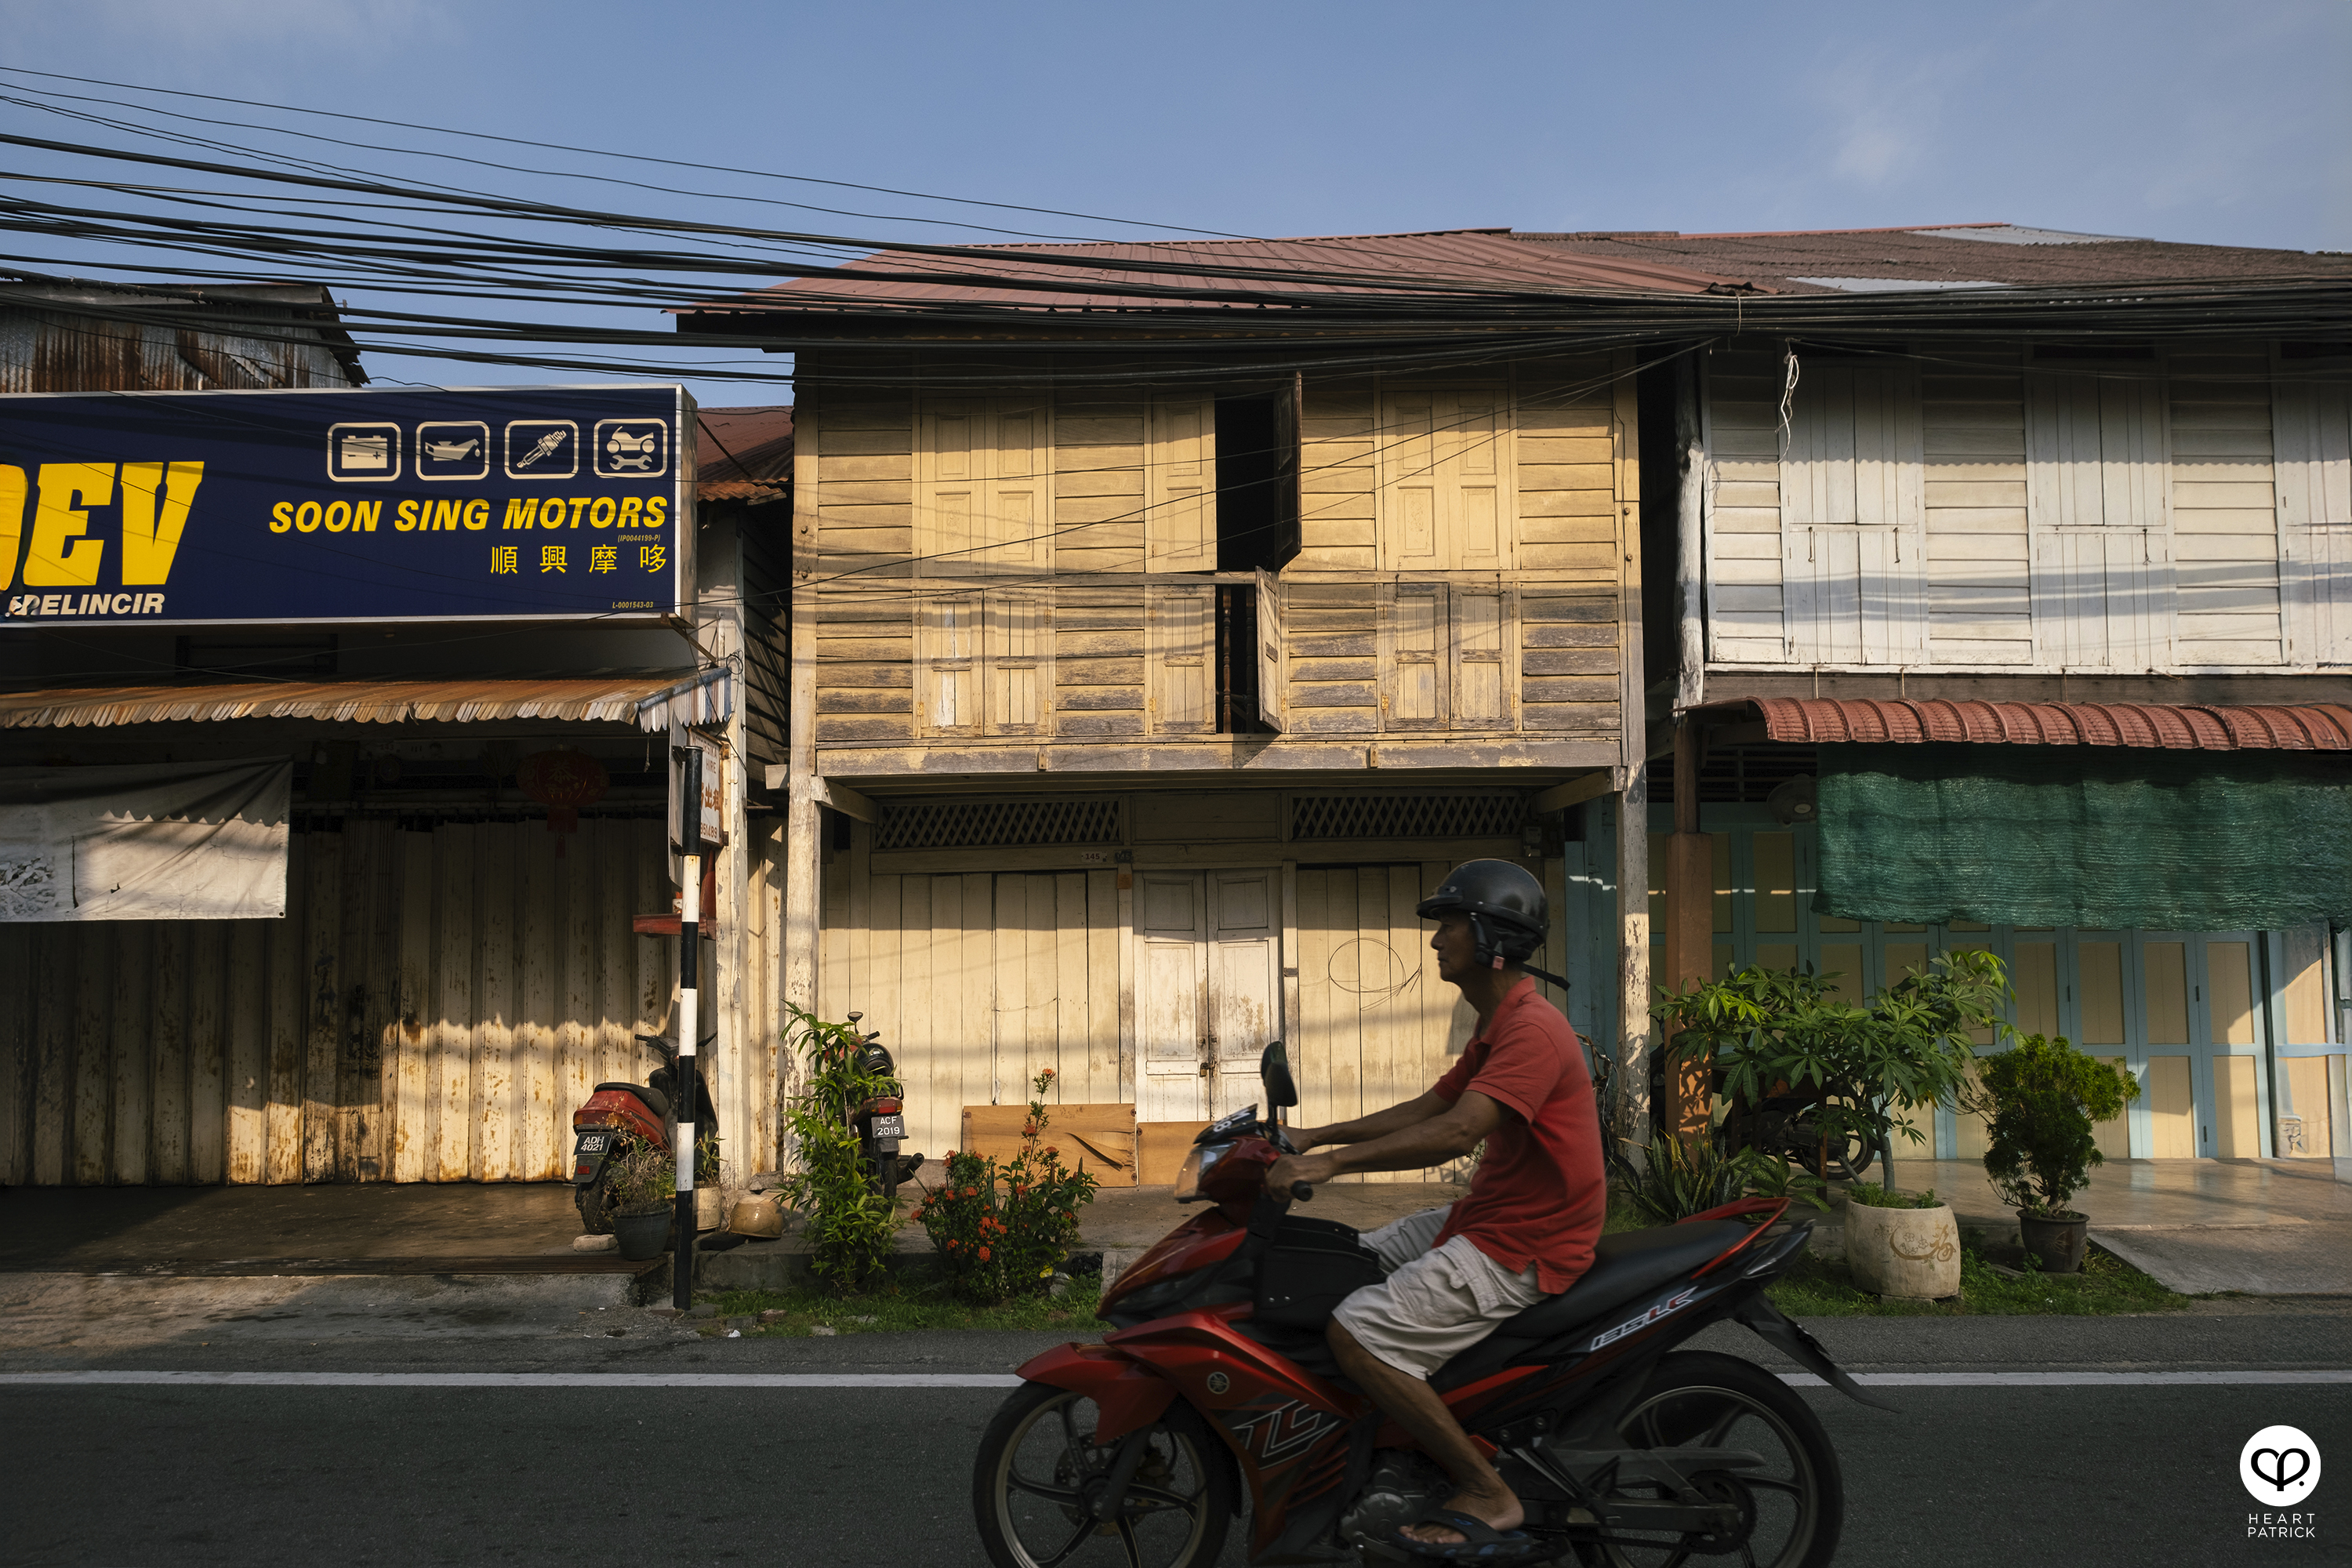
1434,1305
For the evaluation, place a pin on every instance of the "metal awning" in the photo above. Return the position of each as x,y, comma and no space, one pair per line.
1825,720
649,700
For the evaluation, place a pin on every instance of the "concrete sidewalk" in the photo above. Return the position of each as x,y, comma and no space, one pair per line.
2265,1228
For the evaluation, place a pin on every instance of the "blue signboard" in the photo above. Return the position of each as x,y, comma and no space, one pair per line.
202,508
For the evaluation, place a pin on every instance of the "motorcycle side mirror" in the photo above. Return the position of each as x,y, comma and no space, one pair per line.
1273,1072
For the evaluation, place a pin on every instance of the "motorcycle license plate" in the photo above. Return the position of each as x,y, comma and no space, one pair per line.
889,1127
595,1142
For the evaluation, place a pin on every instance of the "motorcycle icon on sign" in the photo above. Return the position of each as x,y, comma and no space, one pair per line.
632,448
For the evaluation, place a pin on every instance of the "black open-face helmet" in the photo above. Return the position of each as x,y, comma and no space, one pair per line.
1505,905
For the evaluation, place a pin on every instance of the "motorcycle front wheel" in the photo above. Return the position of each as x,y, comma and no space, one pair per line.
1792,1509
1039,1470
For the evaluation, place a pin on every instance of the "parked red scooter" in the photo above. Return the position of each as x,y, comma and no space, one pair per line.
1624,1449
620,1117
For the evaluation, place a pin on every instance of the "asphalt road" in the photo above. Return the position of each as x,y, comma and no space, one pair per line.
2013,1476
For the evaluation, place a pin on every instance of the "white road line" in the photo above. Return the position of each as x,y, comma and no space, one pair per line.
999,1380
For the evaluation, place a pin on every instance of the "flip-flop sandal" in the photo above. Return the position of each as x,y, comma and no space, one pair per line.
1481,1542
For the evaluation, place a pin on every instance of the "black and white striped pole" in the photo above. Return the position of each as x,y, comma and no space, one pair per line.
689,956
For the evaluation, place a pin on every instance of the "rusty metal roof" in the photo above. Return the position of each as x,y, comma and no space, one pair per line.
1947,256
634,700
1335,266
743,453
1824,720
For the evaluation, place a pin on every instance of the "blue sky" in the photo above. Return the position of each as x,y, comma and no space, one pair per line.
2220,124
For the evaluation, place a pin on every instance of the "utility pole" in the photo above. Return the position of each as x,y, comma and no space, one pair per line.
690,958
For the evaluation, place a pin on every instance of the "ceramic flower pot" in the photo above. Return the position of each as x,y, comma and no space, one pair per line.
1903,1252
2058,1242
709,1207
643,1235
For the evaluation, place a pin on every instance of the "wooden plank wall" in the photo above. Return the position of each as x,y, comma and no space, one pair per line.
2226,549
2225,507
976,982
432,1008
1565,554
1376,1026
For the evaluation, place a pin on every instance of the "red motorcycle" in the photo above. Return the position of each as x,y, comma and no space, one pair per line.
1625,1450
622,1116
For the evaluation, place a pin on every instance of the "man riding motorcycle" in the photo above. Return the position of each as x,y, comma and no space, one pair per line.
1527,1227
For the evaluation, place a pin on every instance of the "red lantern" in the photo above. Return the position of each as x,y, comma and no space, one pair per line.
562,782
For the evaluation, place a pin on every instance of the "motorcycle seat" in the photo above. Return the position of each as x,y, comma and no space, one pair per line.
1626,1267
655,1100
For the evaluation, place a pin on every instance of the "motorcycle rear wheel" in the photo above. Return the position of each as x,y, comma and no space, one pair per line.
596,1203
1038,1469
1793,1511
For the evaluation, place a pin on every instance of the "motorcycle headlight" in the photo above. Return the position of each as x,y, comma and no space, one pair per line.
1196,1169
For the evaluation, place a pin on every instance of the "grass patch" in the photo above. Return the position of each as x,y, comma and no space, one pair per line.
886,1312
1816,1287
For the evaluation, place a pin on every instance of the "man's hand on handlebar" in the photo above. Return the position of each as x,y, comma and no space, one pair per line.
1312,1169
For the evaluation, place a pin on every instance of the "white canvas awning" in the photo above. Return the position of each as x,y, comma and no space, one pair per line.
171,841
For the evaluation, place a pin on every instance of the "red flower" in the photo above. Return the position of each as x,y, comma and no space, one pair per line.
984,1254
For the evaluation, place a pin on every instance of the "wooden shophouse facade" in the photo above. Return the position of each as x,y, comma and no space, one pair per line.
1143,681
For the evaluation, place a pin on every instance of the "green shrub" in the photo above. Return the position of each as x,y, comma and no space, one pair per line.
850,1225
1677,1180
1871,1195
2040,1099
642,1181
999,1230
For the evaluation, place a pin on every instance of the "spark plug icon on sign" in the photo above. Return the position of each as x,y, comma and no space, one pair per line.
546,445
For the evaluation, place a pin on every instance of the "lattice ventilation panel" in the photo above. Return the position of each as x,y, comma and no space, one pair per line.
1406,816
996,825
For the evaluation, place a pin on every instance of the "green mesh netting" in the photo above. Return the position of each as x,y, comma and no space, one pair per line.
2102,838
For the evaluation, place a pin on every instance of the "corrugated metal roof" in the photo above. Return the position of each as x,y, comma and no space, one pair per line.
1950,254
1824,720
1452,259
603,700
743,453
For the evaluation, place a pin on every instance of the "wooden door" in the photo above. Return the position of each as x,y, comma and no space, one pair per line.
1445,500
2099,507
1209,963
2314,432
1172,928
1853,539
1245,966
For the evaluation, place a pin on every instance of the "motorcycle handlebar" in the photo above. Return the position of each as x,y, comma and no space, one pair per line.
1302,1191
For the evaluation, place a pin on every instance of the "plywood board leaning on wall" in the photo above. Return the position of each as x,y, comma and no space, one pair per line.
1098,1138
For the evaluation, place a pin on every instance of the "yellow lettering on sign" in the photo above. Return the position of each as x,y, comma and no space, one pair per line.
60,557
281,518
13,490
403,517
444,516
522,513
477,515
365,514
657,510
632,511
155,501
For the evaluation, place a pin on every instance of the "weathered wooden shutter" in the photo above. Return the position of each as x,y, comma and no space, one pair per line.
1408,444
1413,692
1480,504
949,683
1288,468
1480,698
1020,517
949,516
1853,533
2097,491
1445,501
1183,622
1018,635
1273,655
2313,428
1181,527
983,502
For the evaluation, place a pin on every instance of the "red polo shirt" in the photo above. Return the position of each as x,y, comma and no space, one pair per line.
1539,1195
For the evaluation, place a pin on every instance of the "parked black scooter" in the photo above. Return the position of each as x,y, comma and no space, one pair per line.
880,1120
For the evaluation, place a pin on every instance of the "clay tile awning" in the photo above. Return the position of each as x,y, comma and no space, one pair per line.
1824,720
650,702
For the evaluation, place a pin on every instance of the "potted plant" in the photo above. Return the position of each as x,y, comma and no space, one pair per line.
2040,1099
1901,1244
643,1183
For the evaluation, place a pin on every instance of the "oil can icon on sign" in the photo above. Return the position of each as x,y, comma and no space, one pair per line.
456,450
